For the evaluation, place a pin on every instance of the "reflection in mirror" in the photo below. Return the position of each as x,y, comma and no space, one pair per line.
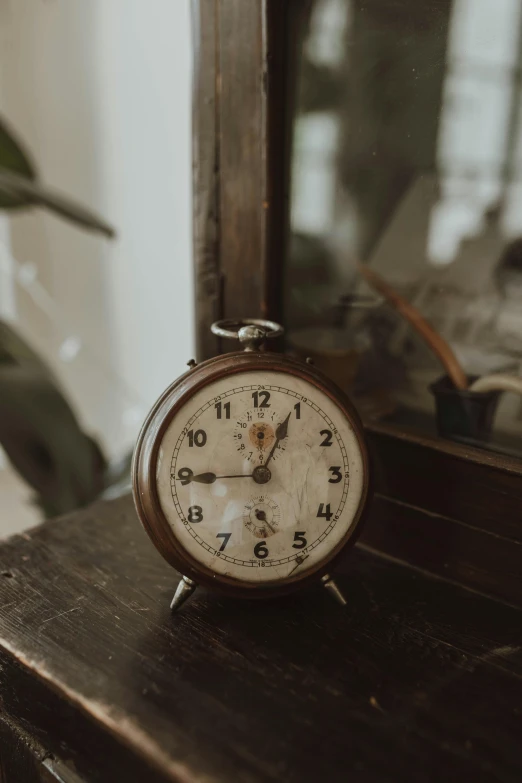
407,156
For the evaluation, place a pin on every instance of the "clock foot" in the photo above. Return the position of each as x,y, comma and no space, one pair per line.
334,591
184,590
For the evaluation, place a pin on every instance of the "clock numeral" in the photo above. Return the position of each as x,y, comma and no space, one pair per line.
226,538
195,514
197,438
297,408
184,475
337,476
327,439
260,550
299,540
220,407
324,511
256,397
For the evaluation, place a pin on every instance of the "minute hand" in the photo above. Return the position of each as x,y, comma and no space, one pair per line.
280,433
209,478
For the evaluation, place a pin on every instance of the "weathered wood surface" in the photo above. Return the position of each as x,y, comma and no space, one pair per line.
445,547
24,760
241,147
477,487
415,680
205,175
450,509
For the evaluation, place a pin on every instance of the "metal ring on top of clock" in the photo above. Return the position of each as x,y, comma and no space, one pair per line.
251,332
230,327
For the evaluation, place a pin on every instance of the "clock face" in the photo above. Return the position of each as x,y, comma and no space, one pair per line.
260,476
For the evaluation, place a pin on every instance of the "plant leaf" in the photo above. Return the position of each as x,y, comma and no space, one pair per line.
14,350
26,192
13,157
40,432
44,442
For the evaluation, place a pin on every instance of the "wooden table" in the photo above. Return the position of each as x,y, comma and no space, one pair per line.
417,679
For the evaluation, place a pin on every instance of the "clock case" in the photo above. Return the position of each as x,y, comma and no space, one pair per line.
144,467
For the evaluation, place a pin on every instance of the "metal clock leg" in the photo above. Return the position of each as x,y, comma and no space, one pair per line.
334,591
184,590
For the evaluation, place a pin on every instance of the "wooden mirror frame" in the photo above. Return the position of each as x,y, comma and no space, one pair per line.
447,508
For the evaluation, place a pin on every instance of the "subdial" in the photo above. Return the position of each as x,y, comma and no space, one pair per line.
255,434
262,516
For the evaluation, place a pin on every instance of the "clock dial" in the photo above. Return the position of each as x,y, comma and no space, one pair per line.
260,476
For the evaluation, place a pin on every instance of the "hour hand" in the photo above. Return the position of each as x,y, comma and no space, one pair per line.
281,433
282,429
202,478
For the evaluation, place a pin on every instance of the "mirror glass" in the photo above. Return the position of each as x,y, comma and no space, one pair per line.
407,159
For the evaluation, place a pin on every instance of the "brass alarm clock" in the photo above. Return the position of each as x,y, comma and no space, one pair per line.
251,472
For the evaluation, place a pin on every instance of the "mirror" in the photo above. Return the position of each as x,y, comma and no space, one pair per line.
407,151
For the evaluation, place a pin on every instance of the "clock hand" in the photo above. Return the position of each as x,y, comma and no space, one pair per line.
209,478
298,561
280,433
261,515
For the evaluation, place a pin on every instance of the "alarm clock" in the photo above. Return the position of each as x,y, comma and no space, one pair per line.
251,472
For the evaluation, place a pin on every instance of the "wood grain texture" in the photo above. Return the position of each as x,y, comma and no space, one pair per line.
205,174
241,161
415,680
476,487
24,760
472,557
243,139
450,509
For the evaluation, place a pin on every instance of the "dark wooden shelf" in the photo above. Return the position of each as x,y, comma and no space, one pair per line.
417,679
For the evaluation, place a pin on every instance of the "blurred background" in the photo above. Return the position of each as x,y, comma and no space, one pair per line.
407,156
99,94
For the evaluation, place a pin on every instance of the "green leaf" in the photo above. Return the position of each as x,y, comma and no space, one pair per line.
44,442
22,191
40,432
15,350
15,158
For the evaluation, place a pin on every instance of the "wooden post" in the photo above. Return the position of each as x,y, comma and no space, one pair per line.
240,160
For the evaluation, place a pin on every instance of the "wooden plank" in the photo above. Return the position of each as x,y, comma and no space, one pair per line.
205,177
241,161
482,561
447,508
415,680
24,760
473,486
243,184
283,19
17,761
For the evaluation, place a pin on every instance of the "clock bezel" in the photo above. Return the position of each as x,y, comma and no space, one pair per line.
146,498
